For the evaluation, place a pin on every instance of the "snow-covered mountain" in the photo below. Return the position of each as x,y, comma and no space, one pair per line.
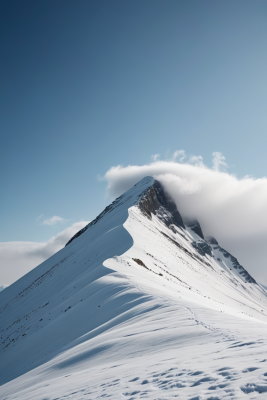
137,305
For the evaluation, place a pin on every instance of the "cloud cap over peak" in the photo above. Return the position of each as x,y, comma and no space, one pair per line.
231,209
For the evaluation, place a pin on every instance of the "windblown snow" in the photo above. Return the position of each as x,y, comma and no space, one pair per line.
138,305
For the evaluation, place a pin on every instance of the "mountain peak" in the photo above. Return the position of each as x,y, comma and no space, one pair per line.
132,291
129,198
157,201
151,197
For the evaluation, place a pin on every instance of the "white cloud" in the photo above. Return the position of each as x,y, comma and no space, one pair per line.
18,258
54,220
231,209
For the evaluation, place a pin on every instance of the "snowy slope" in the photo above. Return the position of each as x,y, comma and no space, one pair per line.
137,305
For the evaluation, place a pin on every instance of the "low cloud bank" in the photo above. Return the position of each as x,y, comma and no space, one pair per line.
18,258
231,209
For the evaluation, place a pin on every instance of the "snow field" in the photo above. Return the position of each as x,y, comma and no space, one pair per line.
92,322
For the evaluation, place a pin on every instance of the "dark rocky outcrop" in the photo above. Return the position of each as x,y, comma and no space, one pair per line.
202,248
236,265
140,262
156,201
248,278
211,240
195,226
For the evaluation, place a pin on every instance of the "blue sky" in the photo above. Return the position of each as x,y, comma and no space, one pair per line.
87,85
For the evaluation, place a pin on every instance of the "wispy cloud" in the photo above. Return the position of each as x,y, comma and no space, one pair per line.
155,157
180,155
233,210
54,220
40,217
219,163
196,160
18,258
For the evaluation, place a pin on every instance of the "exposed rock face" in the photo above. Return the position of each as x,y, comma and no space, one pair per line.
211,240
203,248
195,226
236,265
215,245
156,201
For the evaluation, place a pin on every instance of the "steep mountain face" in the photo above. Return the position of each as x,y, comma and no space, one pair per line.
137,305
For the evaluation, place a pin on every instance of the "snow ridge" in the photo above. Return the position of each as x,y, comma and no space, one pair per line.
137,305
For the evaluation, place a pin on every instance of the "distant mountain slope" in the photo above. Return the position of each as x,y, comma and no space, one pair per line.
137,305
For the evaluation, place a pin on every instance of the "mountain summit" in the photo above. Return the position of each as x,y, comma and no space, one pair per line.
139,304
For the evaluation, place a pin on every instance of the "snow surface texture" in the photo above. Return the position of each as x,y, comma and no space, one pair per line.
137,305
